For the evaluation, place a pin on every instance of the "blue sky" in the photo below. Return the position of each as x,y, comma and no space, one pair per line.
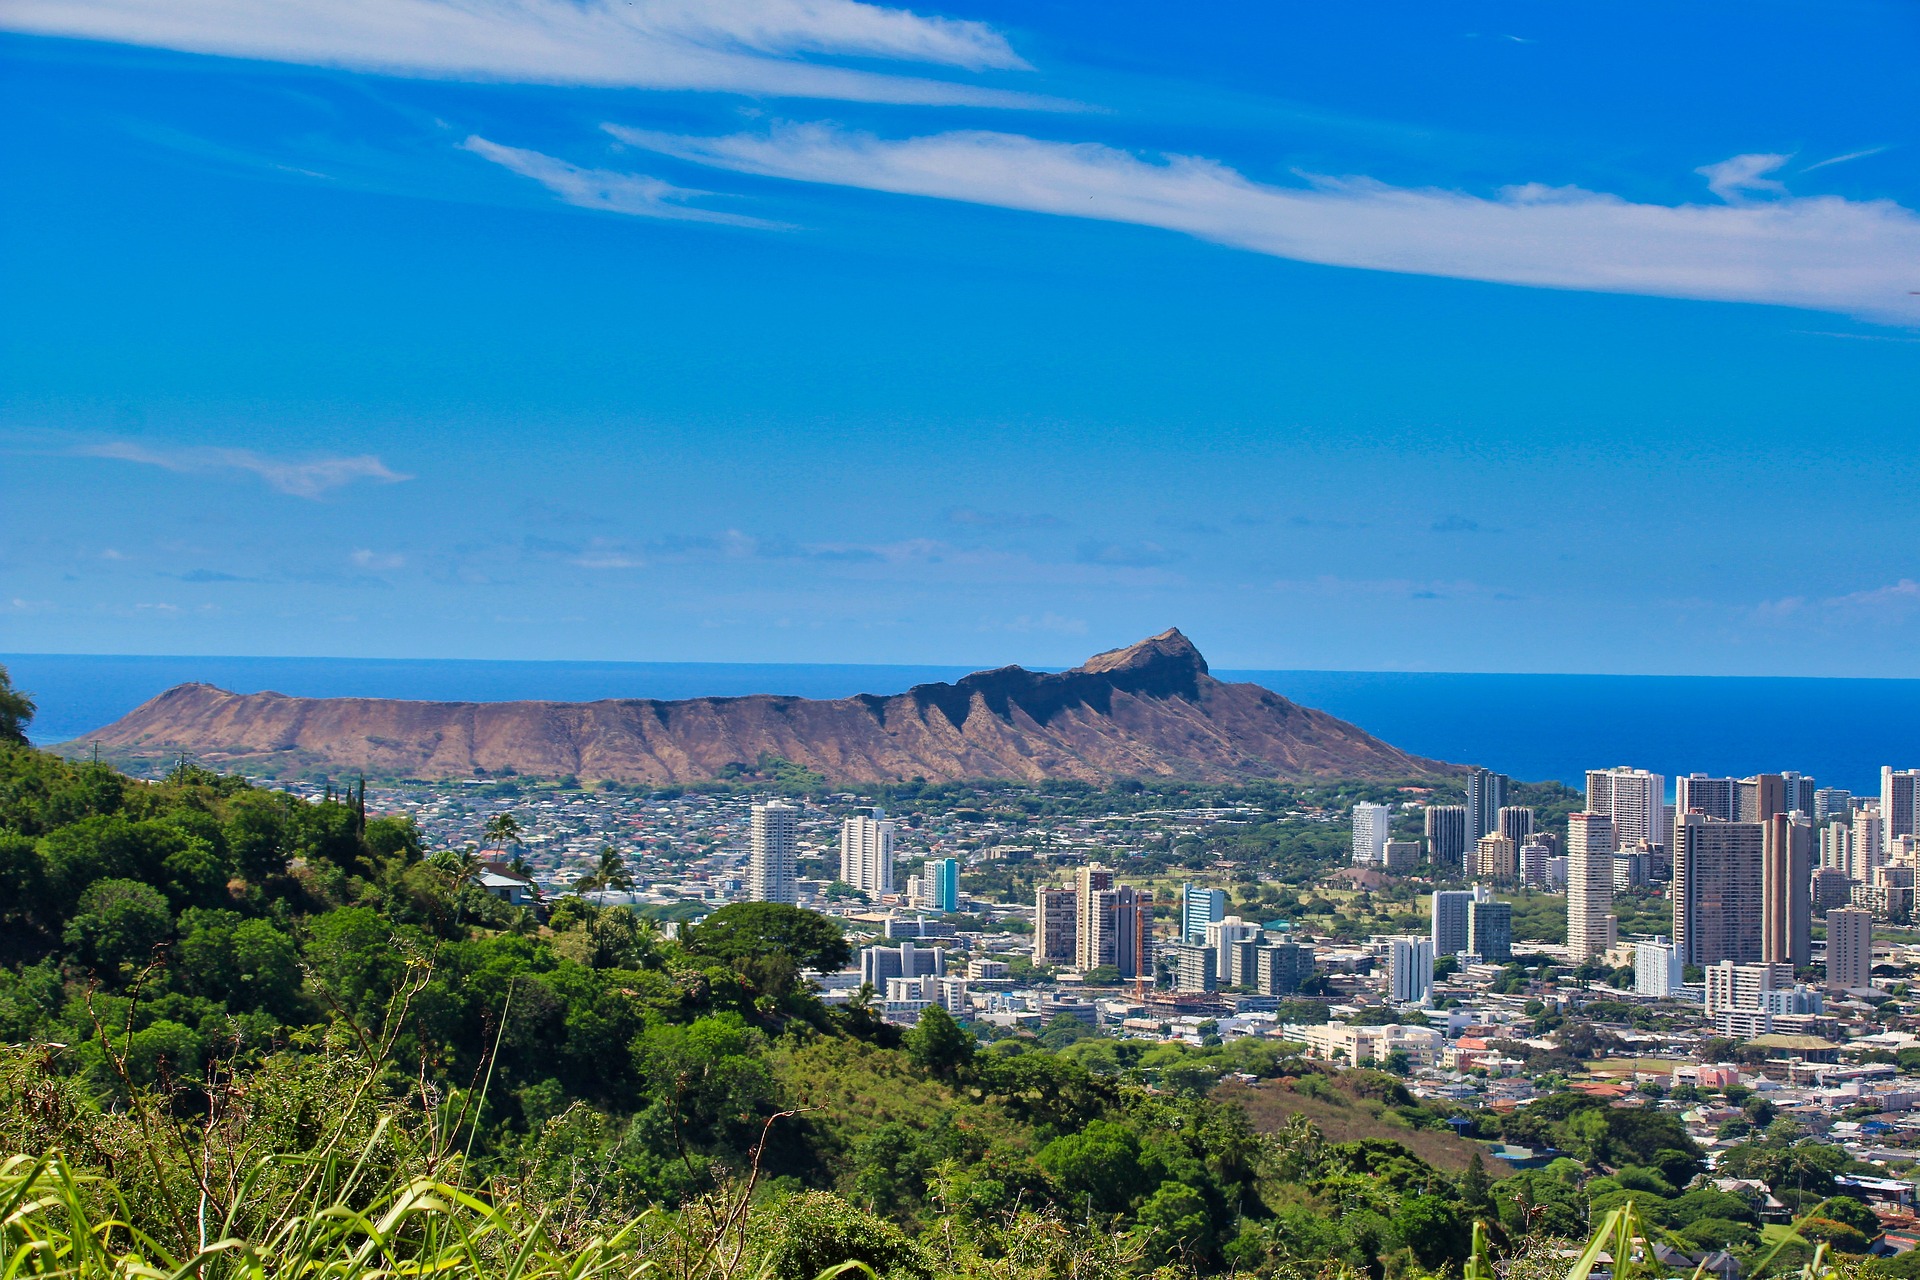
1523,337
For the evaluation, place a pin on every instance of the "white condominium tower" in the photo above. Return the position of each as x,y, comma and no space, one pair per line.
1634,799
770,869
866,853
1590,845
1899,802
1370,826
1409,970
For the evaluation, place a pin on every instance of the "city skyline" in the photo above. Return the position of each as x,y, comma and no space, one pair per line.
1283,325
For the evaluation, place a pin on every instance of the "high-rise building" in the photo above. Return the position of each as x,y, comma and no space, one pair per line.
1409,970
1830,889
1836,846
1743,986
1533,857
1631,869
1224,935
877,964
1869,843
1715,797
1797,793
1199,908
1760,797
1114,924
1786,890
1056,932
1490,931
1194,968
1400,856
1088,883
1633,798
866,852
1449,927
942,876
1718,890
1831,802
1849,948
1446,830
1371,824
775,827
1282,968
1657,968
1899,802
1495,859
1590,845
1515,822
1486,796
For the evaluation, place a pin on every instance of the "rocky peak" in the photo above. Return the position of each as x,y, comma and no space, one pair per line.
1170,652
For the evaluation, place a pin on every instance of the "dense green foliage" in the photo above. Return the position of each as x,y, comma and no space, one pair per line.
180,935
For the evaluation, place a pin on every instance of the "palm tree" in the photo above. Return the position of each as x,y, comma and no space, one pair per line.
502,830
612,871
16,711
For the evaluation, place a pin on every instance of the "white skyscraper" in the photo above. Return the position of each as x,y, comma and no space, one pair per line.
1222,936
866,853
1409,970
1370,827
1869,827
1899,802
1634,799
1657,968
770,868
1590,845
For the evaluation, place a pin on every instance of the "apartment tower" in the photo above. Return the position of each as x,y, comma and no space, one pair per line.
1849,948
1634,799
1486,796
1371,824
775,832
1787,890
1719,885
1446,831
866,853
1590,844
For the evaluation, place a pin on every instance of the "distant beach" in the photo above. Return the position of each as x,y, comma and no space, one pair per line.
1533,727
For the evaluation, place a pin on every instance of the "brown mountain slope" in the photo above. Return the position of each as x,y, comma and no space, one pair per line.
1149,710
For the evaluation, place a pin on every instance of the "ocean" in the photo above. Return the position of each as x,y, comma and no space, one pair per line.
1531,727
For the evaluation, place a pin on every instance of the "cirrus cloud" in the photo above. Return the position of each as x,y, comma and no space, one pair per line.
1820,252
607,190
742,46
302,478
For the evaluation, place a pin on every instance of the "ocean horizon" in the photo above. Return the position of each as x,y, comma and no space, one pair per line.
1533,727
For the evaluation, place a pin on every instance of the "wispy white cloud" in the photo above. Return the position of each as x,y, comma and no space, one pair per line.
304,478
1821,252
1843,159
1895,602
744,46
1737,178
607,190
